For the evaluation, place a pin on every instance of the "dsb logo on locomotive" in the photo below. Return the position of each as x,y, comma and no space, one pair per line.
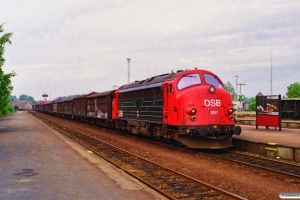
212,102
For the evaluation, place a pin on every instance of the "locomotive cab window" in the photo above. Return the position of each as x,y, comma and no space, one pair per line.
188,80
213,80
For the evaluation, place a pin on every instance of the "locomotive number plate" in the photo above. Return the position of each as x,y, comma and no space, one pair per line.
213,112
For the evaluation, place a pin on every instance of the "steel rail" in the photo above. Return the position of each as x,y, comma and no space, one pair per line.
263,160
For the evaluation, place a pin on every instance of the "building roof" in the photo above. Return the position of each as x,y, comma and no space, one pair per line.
259,94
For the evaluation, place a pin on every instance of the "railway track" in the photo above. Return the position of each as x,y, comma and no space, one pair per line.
169,183
290,170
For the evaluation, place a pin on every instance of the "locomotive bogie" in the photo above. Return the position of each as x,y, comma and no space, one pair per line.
204,142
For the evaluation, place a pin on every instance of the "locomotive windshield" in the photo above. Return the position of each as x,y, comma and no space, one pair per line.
188,80
213,80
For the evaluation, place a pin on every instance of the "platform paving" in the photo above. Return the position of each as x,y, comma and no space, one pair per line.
271,142
39,163
285,137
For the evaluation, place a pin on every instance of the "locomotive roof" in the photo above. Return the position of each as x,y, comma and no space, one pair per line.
154,81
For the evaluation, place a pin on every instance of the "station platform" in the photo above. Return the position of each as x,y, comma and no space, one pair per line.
284,144
285,123
38,163
285,137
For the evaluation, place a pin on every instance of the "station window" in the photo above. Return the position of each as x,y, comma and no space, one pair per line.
188,80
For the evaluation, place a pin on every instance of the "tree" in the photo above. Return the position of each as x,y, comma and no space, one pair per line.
22,97
293,91
247,100
252,104
229,88
5,79
26,98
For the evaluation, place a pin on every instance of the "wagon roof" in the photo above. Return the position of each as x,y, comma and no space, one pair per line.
85,95
57,101
101,94
68,100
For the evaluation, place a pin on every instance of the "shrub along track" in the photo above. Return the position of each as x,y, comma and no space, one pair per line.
229,176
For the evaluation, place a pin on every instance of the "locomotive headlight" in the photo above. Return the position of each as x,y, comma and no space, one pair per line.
230,112
193,111
212,89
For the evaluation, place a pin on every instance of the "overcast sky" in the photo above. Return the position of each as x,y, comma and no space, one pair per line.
67,47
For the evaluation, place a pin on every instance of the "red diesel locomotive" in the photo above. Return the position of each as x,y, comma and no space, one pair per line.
190,107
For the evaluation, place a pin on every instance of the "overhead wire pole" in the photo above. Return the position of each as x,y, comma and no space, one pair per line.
128,60
236,86
114,86
271,71
240,84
